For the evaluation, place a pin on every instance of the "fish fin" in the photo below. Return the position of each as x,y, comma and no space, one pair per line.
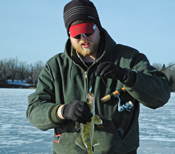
97,120
80,143
95,142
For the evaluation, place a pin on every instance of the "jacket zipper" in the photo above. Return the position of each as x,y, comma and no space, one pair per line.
86,78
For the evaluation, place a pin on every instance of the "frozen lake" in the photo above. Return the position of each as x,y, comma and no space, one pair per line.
157,127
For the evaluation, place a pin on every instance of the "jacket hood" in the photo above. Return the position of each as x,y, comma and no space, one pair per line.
109,43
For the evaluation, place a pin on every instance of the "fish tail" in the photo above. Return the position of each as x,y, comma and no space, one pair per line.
80,143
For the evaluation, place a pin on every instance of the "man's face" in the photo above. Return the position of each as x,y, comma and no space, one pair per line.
87,46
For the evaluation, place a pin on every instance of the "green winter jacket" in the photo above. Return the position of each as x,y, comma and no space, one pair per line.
64,80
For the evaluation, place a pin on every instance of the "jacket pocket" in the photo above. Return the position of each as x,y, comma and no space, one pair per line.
66,144
126,121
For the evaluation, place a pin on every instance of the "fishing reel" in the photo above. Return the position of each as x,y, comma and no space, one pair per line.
124,107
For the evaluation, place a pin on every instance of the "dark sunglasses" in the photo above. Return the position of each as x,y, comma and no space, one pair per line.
86,35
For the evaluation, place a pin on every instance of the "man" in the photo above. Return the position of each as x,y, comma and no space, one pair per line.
92,59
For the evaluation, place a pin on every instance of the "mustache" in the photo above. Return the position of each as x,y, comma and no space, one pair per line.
86,41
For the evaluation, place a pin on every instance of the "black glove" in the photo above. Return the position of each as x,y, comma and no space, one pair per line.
77,111
109,70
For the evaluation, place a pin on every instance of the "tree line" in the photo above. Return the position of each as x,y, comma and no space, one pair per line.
14,69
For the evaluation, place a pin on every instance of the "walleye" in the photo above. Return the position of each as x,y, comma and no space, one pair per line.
86,140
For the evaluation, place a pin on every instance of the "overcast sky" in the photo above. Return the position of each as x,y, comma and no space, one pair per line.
33,30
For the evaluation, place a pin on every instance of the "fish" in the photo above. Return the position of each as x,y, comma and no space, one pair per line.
86,140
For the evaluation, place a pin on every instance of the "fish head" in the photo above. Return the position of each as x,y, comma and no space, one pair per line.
91,102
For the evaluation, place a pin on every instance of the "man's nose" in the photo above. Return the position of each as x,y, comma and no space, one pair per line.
83,37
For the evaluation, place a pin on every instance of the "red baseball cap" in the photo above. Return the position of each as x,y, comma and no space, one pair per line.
83,28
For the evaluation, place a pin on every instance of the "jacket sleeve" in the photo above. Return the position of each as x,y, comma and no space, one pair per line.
42,109
151,87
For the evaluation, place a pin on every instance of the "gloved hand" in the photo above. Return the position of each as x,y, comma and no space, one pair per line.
110,70
77,111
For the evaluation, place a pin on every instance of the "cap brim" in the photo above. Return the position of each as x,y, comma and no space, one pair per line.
83,28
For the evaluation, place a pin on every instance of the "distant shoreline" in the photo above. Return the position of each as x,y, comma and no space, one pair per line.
4,85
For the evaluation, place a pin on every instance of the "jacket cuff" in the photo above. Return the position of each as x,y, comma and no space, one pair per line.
131,79
54,116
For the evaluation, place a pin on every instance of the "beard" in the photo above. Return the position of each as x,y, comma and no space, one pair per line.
91,50
87,51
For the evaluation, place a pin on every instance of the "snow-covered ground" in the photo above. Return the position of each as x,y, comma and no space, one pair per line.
17,135
157,129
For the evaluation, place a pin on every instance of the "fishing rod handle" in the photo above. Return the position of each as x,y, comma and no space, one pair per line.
112,95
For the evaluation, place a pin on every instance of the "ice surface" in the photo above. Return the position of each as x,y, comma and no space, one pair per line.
157,127
17,134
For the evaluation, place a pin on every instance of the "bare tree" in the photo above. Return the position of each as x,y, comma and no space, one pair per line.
1,68
22,70
169,70
38,66
4,69
158,66
13,64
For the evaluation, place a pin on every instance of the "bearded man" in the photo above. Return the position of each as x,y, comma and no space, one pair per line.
93,59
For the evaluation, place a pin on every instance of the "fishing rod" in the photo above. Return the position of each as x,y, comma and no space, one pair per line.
112,95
